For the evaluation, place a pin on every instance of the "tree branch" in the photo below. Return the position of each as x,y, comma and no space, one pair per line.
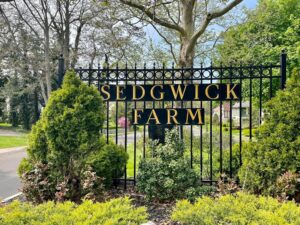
167,41
152,16
210,17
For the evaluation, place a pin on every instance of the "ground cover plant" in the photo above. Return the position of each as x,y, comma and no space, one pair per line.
240,209
67,158
118,211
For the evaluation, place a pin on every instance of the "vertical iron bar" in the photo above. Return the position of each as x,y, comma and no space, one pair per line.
241,113
134,154
201,130
271,81
163,80
230,128
191,141
173,77
117,104
90,74
210,133
107,103
61,70
250,116
126,79
144,126
260,94
283,68
221,126
181,102
98,77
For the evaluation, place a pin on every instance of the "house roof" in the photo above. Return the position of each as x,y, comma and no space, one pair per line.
225,107
244,105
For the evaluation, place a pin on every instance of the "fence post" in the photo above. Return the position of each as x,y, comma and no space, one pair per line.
283,68
61,70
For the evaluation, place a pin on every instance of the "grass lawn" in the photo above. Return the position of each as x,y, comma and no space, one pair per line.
13,141
130,163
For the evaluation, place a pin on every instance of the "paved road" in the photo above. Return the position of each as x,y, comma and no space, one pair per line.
10,159
9,180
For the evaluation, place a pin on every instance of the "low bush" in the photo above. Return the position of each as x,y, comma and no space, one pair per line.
275,149
109,163
287,186
115,212
167,174
236,210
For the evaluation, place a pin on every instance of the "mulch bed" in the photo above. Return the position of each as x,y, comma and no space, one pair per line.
159,213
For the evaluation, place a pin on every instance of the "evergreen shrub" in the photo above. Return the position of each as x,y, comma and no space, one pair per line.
275,149
63,143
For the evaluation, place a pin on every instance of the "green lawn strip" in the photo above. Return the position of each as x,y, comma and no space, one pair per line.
5,125
13,141
130,163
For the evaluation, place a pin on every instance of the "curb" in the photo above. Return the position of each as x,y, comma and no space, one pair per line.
14,149
11,198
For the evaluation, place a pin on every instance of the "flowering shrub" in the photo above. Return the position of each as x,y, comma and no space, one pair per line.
122,122
288,186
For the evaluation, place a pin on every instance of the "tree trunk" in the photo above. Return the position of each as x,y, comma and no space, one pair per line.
47,62
186,56
67,34
76,47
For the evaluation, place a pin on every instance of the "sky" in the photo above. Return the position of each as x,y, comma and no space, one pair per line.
250,3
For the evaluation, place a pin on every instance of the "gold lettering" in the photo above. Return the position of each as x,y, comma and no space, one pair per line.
178,91
172,116
134,97
154,117
193,116
119,92
105,92
207,89
161,95
136,115
231,91
196,92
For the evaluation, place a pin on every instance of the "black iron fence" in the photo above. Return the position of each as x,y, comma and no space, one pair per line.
213,148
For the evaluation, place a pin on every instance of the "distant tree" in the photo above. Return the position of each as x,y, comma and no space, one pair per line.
274,25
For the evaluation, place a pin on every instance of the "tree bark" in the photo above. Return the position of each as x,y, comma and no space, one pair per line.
67,34
188,24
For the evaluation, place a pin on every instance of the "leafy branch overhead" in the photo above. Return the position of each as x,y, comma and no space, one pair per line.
189,19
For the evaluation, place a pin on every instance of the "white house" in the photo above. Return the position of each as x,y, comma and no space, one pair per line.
245,112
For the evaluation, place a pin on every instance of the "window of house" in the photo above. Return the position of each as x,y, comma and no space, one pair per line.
226,114
244,112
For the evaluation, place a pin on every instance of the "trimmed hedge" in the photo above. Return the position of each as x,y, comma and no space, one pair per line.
115,212
237,210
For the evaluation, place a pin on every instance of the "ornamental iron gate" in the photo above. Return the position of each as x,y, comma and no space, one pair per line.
213,148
